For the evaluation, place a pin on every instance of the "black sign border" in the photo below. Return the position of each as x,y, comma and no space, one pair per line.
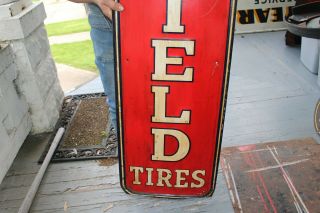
117,70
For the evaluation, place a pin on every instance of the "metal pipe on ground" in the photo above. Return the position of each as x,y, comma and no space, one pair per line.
27,202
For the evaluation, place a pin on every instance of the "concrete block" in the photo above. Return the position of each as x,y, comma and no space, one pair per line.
7,77
21,25
31,88
21,56
59,94
48,115
26,81
16,108
4,84
6,1
37,80
46,76
12,107
28,87
37,46
36,86
6,56
40,121
23,130
3,111
52,110
5,145
15,122
9,125
4,137
13,8
13,144
11,73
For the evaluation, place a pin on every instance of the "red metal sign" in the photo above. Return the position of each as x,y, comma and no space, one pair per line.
172,66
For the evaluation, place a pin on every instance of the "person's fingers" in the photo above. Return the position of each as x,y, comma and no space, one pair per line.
114,5
108,5
109,14
107,11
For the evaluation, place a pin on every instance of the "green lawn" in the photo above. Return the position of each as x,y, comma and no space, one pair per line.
77,54
68,27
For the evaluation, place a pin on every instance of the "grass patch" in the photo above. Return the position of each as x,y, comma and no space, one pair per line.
77,54
68,27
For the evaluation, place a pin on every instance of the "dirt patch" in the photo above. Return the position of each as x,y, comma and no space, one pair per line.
88,125
108,162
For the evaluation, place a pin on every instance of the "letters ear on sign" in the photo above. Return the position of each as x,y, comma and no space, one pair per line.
172,71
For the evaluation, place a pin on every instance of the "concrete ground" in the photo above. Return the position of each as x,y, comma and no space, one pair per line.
71,78
94,86
272,97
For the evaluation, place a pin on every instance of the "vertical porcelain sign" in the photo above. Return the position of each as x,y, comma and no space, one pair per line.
172,70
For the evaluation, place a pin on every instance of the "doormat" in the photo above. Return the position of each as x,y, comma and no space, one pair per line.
273,177
85,118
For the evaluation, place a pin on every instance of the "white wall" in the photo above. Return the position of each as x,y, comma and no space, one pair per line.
30,93
15,120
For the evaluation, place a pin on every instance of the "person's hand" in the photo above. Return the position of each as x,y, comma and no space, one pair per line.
107,6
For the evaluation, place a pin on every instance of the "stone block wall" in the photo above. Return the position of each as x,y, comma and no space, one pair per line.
39,81
15,120
30,92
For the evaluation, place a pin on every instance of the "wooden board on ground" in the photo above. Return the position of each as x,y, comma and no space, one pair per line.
273,177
